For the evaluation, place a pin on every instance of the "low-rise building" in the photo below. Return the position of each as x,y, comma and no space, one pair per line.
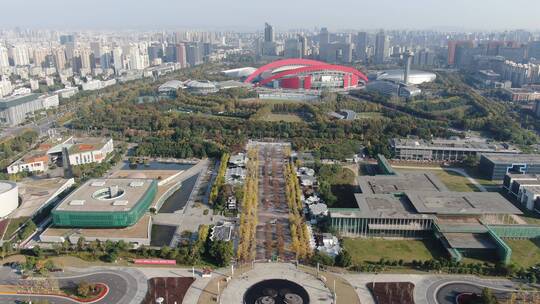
89,150
496,166
521,94
15,110
36,161
445,149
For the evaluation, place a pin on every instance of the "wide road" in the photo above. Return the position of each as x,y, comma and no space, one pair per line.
123,286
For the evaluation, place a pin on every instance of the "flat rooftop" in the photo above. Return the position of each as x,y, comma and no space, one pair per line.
138,231
385,205
469,240
106,195
36,193
512,158
87,144
381,184
453,145
462,203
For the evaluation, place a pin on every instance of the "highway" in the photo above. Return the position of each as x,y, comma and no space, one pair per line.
124,287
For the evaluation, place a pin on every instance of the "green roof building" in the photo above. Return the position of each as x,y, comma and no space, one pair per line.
106,203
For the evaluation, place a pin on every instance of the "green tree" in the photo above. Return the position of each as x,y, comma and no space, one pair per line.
343,259
221,252
488,297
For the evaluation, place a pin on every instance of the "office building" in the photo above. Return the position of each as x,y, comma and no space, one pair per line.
19,54
360,47
418,205
293,48
269,33
381,48
88,150
4,58
496,166
15,110
59,60
445,149
534,50
118,60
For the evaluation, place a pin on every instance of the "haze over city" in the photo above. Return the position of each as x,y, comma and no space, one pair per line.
270,152
247,14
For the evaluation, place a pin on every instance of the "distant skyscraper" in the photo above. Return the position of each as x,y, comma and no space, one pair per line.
105,60
135,59
194,54
95,46
303,45
59,60
85,59
534,50
118,62
65,39
324,36
361,45
155,51
4,59
381,48
19,54
268,33
181,54
293,48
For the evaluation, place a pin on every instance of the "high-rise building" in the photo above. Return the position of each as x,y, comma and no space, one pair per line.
381,48
19,54
4,59
95,47
181,54
194,54
293,48
360,47
118,61
39,56
136,61
534,50
268,33
324,36
105,60
85,59
452,45
65,39
155,51
59,59
303,45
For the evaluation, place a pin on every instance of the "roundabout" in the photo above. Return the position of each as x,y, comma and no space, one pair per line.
276,283
276,291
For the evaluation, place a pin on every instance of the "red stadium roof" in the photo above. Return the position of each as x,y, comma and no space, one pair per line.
307,66
281,63
322,67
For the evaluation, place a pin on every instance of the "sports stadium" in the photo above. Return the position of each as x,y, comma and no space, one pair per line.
306,74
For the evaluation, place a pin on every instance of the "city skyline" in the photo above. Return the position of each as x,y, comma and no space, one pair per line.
165,14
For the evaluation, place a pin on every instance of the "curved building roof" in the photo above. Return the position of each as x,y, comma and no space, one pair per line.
5,186
281,65
240,72
171,85
415,76
194,84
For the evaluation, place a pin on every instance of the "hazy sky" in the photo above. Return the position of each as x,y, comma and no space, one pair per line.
284,14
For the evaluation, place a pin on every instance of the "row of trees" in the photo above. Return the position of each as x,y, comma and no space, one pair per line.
10,147
220,178
300,237
248,215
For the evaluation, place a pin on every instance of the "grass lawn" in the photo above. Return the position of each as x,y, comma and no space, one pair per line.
525,253
372,250
282,117
13,225
367,115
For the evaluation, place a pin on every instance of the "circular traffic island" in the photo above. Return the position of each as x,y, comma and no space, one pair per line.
276,291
